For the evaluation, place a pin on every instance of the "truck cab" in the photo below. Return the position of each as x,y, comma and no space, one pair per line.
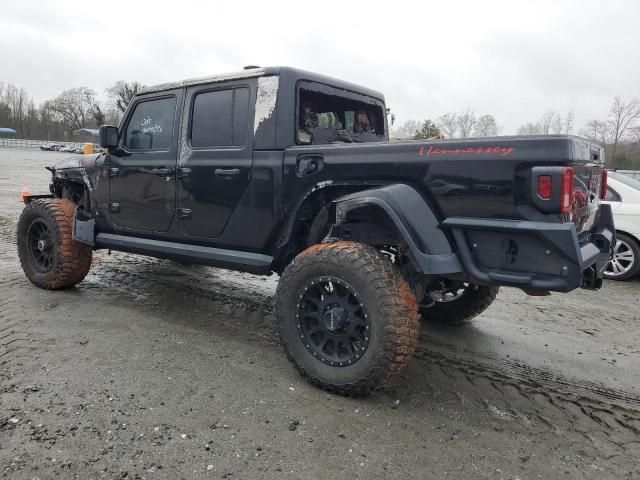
217,161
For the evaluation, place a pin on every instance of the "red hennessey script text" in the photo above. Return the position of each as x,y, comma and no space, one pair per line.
502,151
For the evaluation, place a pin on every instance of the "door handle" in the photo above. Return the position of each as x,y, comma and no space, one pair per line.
227,172
163,172
184,172
309,164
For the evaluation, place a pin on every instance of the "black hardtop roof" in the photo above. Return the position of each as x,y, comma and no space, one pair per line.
293,73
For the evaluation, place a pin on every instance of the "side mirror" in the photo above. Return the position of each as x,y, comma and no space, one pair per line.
108,136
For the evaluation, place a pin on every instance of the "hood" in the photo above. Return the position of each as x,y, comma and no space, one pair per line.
77,162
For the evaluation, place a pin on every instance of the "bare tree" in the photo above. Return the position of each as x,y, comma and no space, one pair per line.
407,130
76,106
597,131
530,129
47,118
622,117
448,124
466,122
486,126
122,92
16,101
98,115
556,125
568,122
549,122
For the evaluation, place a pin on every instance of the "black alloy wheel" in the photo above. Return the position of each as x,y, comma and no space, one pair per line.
333,323
41,246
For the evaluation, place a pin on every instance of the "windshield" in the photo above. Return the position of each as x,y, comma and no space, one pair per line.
628,181
328,115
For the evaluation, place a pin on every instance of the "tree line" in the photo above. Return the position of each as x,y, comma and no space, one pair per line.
59,117
618,132
76,108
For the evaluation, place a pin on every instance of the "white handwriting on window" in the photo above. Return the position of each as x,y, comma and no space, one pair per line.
147,126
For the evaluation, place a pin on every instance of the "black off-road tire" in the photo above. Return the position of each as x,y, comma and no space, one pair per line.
388,299
70,260
474,300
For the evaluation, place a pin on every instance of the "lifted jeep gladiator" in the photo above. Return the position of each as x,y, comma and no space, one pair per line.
282,170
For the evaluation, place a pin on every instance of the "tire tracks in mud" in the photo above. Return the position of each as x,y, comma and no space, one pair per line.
150,283
17,343
8,249
578,410
8,228
185,291
512,391
177,287
607,418
512,369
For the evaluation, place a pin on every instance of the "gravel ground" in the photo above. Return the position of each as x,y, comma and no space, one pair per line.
149,369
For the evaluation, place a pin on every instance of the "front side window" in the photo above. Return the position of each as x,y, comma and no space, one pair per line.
220,118
327,115
151,125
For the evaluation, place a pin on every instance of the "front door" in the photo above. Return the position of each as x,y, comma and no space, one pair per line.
142,187
216,158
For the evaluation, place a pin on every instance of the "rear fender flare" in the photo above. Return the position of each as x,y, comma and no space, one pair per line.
414,220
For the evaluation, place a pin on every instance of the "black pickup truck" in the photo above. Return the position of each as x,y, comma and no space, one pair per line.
282,170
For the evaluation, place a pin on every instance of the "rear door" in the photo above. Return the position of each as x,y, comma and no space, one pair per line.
142,171
214,169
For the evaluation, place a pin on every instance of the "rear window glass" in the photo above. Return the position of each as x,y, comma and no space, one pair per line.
220,118
151,125
328,115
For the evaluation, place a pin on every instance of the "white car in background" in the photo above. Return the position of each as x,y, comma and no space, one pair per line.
623,194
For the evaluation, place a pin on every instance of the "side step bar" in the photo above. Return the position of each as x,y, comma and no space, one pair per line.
215,257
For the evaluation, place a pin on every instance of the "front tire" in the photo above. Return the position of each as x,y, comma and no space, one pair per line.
49,256
460,304
348,320
626,259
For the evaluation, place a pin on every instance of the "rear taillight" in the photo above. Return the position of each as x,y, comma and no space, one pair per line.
566,192
544,187
603,184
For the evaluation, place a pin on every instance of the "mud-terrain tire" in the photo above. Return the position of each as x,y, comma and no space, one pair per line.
474,300
373,308
59,261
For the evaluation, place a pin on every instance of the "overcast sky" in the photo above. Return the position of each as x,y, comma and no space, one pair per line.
513,59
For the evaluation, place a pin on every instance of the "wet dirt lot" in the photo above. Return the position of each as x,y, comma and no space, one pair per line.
150,369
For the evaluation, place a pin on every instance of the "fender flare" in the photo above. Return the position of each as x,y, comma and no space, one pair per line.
414,220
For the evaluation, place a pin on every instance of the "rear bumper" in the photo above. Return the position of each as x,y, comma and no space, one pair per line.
533,255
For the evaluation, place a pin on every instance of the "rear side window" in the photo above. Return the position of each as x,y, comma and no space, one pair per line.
220,118
151,125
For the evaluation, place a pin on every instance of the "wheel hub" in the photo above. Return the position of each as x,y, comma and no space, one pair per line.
335,318
42,245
